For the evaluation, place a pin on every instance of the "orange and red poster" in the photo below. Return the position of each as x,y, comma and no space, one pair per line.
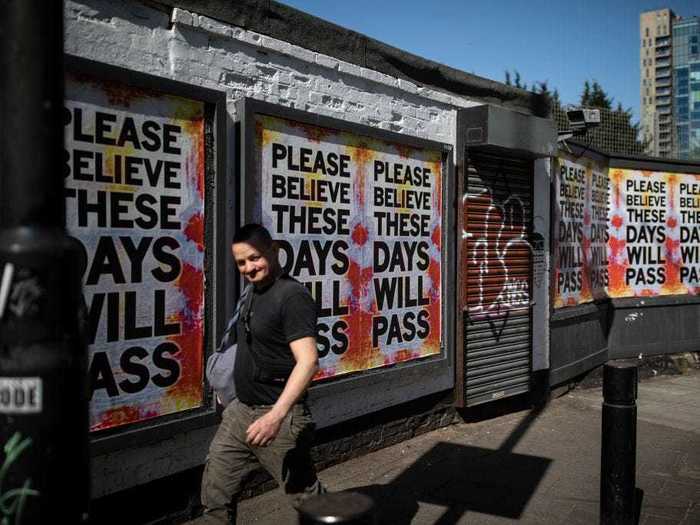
359,223
134,188
654,246
580,232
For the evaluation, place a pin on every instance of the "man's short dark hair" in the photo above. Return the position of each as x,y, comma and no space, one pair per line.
255,234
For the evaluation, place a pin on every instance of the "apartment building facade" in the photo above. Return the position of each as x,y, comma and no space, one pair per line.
669,84
686,82
656,81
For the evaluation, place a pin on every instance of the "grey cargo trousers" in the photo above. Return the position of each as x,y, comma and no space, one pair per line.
231,460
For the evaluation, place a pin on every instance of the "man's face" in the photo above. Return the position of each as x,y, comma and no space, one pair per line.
253,264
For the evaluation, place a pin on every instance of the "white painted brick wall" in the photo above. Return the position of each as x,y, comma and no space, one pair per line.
198,50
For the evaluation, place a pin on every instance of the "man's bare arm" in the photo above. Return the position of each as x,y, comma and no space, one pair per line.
265,429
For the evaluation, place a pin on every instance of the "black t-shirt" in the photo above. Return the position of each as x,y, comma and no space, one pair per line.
279,314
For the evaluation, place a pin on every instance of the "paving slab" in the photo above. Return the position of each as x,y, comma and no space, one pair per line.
531,467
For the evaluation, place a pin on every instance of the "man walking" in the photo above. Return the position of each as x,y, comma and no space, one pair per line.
269,423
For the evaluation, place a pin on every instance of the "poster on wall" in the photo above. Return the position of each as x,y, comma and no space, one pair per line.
580,232
134,189
654,233
358,220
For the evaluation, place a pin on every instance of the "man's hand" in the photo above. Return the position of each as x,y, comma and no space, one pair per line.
264,429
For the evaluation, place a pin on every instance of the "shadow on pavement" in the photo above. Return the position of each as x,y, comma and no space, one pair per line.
463,478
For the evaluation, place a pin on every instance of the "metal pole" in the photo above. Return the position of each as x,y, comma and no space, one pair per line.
619,444
44,475
347,508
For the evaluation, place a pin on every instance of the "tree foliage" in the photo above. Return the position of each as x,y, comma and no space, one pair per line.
616,133
594,96
540,87
517,81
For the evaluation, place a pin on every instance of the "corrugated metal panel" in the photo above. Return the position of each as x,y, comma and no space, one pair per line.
497,270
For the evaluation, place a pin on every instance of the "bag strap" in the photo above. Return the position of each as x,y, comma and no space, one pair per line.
230,331
261,363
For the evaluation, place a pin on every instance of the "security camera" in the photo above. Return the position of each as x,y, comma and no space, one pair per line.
582,119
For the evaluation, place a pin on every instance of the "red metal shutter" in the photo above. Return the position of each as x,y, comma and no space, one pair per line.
496,265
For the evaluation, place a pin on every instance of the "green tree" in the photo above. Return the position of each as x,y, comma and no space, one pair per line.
549,100
586,95
594,96
599,98
616,133
542,88
517,82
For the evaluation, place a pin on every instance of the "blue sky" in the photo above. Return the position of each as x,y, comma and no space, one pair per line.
563,43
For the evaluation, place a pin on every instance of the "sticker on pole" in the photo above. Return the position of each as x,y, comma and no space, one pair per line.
20,395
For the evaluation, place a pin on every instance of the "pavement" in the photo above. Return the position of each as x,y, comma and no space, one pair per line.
537,466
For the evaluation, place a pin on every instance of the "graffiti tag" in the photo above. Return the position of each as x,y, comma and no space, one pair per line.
490,252
631,317
12,501
25,294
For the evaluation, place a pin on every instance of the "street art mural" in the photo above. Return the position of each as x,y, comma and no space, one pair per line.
359,222
134,188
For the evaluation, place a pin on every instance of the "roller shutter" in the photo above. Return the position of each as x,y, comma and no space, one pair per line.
496,266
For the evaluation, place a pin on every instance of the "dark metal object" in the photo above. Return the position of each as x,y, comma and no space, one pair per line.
578,340
348,508
498,129
31,60
619,443
653,164
43,402
654,326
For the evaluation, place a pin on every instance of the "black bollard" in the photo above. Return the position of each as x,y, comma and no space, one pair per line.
348,508
44,470
619,444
